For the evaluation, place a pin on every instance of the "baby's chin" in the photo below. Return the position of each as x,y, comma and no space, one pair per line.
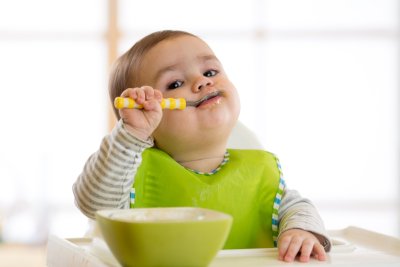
195,141
222,120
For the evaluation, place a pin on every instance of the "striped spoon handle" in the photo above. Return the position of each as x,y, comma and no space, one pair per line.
166,103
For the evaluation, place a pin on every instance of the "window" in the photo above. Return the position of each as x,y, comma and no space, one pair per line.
318,81
53,109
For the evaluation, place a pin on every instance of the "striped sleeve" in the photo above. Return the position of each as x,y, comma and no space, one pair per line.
108,174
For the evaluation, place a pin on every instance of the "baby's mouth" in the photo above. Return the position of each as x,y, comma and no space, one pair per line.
197,103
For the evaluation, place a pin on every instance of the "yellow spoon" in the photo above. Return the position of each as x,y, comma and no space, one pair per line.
166,103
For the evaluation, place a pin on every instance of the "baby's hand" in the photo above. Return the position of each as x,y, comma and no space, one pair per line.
296,241
142,122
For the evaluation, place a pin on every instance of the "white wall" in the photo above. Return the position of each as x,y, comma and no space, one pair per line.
318,80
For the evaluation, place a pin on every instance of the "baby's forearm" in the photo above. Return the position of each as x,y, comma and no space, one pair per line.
107,177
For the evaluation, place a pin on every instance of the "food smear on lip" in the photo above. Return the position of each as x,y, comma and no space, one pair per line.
212,98
211,101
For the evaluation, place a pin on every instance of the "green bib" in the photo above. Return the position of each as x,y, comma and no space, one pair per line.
248,187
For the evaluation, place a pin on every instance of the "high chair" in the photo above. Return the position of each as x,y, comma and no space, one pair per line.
352,246
243,138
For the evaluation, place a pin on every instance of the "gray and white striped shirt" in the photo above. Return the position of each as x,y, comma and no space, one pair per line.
108,175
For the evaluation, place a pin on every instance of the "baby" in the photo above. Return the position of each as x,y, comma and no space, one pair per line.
166,158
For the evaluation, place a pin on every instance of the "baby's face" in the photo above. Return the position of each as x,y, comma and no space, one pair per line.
186,67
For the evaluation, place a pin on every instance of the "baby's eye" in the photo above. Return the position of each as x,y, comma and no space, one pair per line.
175,85
210,73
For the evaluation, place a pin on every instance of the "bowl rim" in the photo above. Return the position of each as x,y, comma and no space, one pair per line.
107,214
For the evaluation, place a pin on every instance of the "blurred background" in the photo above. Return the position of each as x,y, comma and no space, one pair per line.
318,80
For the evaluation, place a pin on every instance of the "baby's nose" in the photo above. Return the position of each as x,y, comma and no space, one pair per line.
202,83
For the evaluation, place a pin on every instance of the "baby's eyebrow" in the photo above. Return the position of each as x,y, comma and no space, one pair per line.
173,67
208,57
169,68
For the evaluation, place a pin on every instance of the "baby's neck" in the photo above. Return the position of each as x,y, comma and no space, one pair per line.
204,160
203,164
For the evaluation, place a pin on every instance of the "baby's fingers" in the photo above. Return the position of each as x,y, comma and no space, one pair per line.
139,94
130,92
148,92
158,95
283,246
306,250
289,247
319,252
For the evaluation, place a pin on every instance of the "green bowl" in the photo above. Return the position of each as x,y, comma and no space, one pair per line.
164,236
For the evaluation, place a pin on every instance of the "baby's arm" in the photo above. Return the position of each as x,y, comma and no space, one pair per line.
108,174
301,229
107,177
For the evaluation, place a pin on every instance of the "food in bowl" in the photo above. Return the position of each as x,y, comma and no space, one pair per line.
182,236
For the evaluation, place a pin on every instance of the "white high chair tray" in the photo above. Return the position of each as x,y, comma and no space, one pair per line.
352,246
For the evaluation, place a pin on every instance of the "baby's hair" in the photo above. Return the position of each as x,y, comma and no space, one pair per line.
124,73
